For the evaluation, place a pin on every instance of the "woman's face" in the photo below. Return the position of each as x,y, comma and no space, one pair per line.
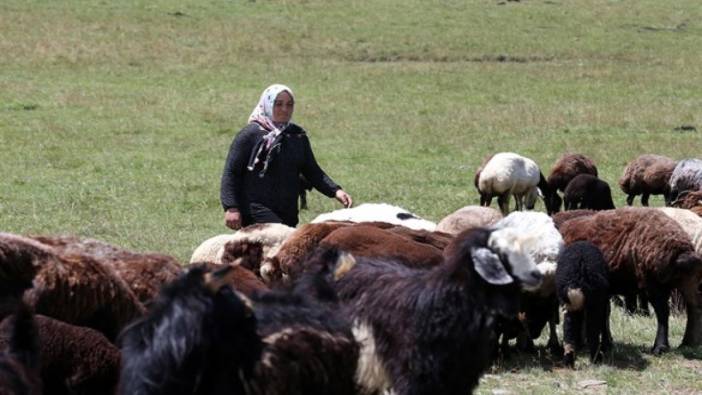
283,107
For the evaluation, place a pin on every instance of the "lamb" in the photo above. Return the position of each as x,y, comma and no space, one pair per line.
271,236
144,273
539,306
567,167
201,337
507,174
468,217
645,249
73,288
686,177
425,331
377,212
647,175
586,191
73,359
582,285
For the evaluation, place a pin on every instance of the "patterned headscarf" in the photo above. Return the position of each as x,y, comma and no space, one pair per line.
262,115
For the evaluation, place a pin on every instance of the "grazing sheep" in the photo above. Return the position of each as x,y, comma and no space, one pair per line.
200,337
686,177
73,288
507,174
586,191
377,212
538,306
583,288
647,175
647,250
688,200
468,217
144,273
567,167
73,359
271,236
427,331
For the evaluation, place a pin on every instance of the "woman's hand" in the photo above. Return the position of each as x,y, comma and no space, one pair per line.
232,218
344,198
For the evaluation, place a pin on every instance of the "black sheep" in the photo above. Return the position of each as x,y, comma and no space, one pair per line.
586,191
582,286
201,337
431,331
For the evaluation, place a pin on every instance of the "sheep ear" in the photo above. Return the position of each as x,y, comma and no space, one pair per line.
489,266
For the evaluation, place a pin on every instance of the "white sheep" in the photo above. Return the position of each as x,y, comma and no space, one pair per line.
686,177
378,212
468,217
507,174
689,221
271,236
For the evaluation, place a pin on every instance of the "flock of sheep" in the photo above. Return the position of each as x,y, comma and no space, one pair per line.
368,300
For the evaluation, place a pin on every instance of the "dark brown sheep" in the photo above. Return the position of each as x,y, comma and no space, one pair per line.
688,200
647,175
240,278
646,250
560,218
144,273
74,359
567,167
73,288
586,191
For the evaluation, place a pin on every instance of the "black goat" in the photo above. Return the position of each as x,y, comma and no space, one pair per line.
582,286
431,331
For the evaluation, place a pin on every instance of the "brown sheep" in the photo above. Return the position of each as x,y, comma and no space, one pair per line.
560,218
74,288
567,167
645,249
240,278
647,175
688,200
74,359
144,273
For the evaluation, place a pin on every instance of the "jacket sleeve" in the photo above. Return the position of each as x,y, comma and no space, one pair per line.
232,186
315,175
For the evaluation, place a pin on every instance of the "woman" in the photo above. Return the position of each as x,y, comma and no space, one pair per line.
260,182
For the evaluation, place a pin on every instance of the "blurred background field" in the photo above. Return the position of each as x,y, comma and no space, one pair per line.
116,116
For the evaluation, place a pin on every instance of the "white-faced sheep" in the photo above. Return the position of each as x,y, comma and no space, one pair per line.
467,218
567,167
144,273
647,175
686,177
586,191
200,337
646,250
429,331
73,288
507,174
538,306
377,212
583,288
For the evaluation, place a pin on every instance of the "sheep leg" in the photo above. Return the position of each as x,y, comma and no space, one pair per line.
643,304
644,199
572,328
485,200
693,304
630,199
606,332
553,345
659,300
594,327
503,202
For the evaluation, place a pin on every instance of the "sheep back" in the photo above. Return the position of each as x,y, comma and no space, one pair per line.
646,174
687,176
467,218
567,167
508,172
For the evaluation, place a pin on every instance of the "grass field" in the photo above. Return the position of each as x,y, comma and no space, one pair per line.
116,116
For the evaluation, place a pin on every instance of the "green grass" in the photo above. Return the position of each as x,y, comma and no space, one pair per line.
115,116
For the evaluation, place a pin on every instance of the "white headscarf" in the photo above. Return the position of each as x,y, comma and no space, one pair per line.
262,115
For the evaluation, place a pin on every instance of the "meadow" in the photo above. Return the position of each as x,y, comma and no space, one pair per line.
116,117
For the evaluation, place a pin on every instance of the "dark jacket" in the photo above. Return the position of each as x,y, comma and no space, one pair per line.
279,187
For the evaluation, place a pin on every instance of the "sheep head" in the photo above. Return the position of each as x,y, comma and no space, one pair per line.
506,258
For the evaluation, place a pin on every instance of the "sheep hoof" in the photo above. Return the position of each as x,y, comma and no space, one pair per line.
569,360
660,349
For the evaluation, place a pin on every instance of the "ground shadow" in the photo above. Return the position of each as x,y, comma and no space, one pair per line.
689,352
623,356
